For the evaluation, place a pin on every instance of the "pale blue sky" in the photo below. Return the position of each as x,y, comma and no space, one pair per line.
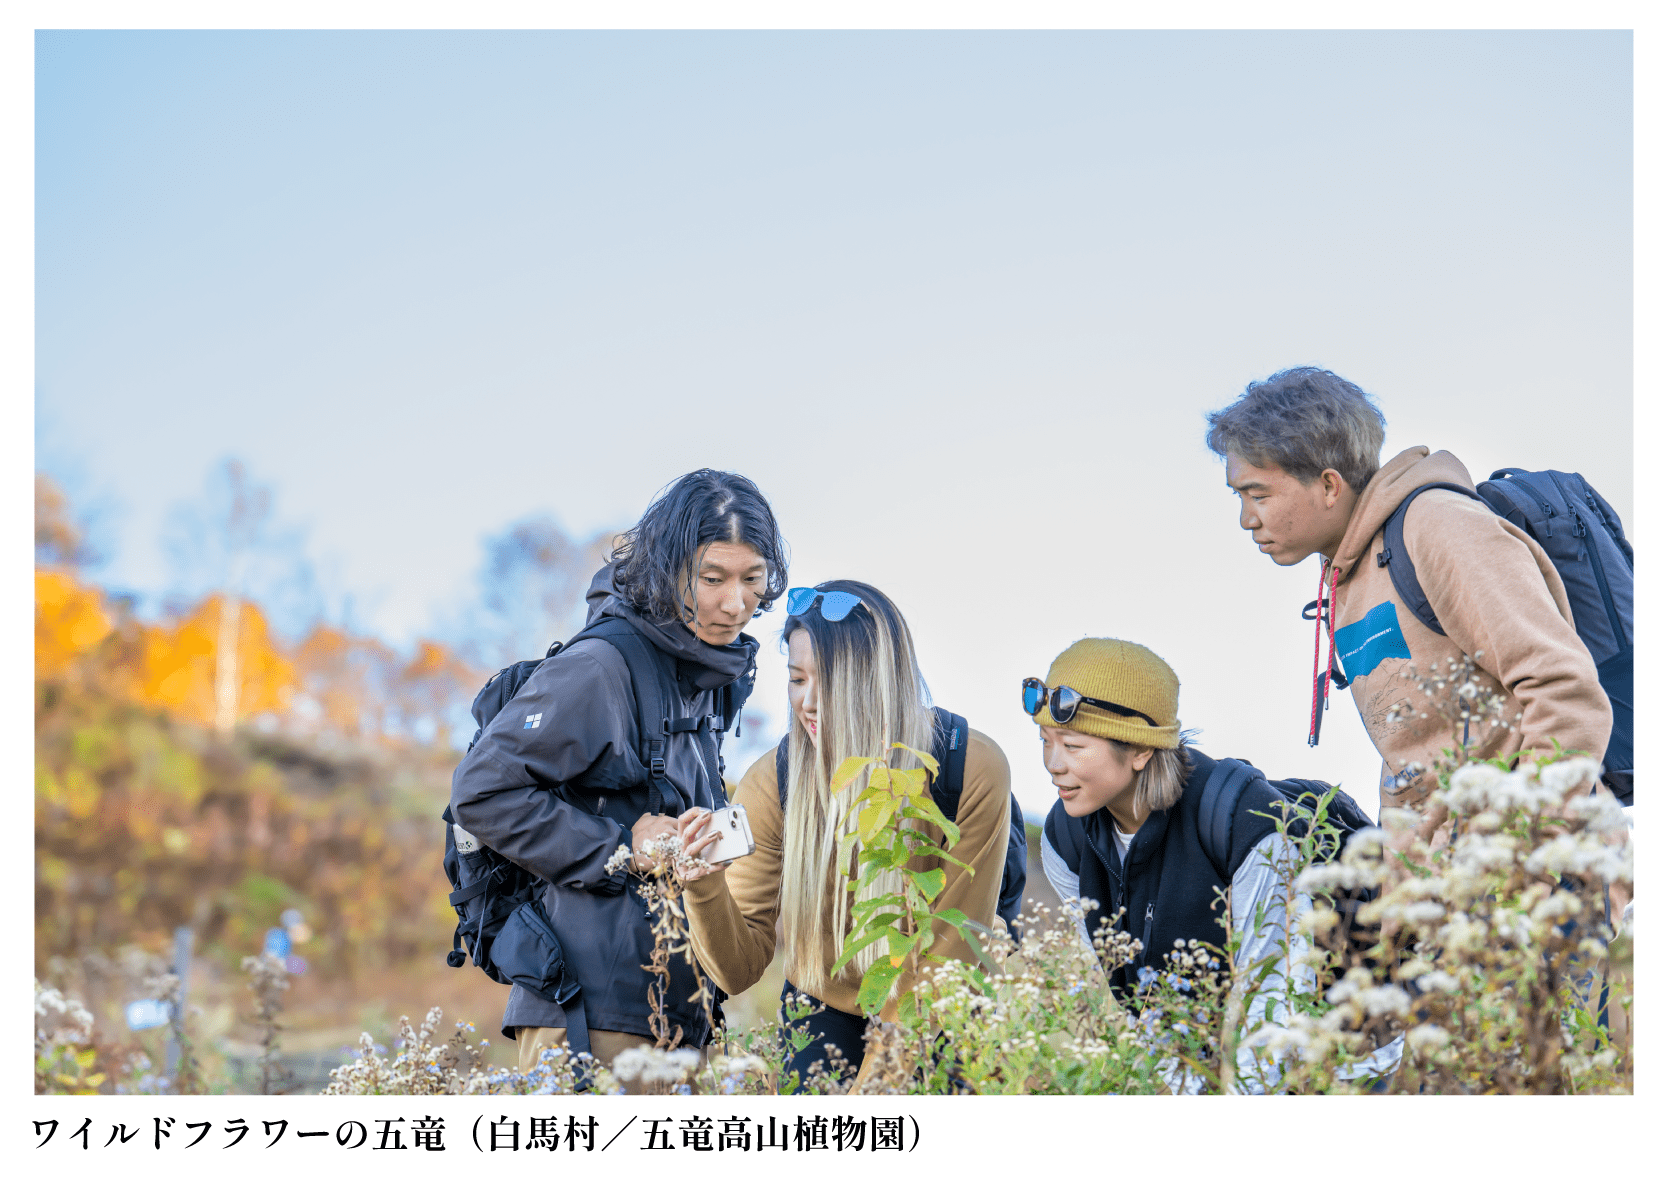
956,301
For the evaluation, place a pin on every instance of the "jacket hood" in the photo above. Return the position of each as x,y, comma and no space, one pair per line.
1393,481
705,665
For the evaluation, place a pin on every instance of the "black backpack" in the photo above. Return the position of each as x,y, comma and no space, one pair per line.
1220,800
1583,537
1219,803
950,750
500,918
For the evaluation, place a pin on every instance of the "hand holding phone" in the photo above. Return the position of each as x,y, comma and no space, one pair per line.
735,836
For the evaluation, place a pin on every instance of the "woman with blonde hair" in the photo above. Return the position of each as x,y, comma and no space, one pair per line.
854,689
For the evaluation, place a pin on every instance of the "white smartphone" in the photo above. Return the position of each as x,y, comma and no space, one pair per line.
735,836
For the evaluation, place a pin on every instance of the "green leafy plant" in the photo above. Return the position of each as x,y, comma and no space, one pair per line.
888,807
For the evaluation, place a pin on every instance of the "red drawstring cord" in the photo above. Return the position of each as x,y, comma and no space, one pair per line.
1321,679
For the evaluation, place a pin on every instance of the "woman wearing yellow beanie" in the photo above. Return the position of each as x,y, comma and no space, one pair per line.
1149,828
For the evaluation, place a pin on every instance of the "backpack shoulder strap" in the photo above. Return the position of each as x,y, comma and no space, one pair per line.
950,750
1394,556
649,696
1219,801
734,695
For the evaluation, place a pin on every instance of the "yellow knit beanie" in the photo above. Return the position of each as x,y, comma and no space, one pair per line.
1120,673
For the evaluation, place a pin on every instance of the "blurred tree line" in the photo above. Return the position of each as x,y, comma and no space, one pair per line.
201,769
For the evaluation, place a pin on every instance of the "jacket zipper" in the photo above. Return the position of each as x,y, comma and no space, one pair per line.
1586,535
1118,874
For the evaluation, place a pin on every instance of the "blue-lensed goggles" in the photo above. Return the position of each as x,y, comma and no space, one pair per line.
837,604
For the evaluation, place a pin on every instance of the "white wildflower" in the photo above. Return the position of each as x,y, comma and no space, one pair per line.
1565,776
1478,855
1356,979
1462,935
1336,876
1397,819
1368,844
60,1019
1598,812
1424,911
1556,908
1279,1040
1513,928
1471,787
649,1064
1520,790
1318,920
1583,854
1426,1038
1385,1001
736,1065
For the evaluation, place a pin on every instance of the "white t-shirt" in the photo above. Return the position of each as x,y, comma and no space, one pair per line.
1122,841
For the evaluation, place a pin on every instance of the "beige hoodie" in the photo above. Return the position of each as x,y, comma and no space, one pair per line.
1498,598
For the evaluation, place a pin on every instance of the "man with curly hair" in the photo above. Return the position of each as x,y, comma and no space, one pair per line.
580,766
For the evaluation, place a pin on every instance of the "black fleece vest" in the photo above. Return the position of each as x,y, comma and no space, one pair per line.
1167,885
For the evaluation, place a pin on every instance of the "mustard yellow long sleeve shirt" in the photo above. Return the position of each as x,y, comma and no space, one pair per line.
733,914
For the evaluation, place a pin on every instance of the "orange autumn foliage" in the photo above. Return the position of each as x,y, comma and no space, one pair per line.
343,677
70,620
432,680
354,687
177,666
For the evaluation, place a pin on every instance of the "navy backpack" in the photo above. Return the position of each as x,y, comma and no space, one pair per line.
1583,537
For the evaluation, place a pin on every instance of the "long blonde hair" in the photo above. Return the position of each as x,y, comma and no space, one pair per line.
870,694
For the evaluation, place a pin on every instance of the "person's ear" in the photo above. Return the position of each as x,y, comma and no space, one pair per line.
1333,486
1138,762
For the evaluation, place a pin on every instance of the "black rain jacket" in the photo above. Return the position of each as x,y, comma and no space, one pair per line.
555,783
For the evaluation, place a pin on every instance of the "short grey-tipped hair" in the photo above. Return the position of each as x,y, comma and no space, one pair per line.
1303,420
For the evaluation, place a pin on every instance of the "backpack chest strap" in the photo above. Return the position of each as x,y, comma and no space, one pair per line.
711,723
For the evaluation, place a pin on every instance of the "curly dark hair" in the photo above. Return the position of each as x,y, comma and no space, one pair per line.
657,556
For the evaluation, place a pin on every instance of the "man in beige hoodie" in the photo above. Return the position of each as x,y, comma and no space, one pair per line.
1302,451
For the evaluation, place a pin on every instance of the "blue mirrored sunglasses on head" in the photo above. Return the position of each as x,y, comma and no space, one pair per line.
837,604
1063,702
